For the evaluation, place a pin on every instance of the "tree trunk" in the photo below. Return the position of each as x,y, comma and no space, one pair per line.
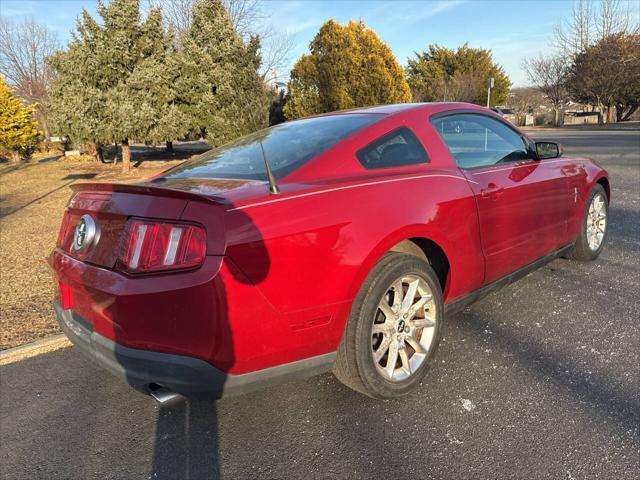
126,155
115,154
170,147
631,111
99,153
600,112
92,148
558,116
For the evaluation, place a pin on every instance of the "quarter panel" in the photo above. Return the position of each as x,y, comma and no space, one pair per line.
315,250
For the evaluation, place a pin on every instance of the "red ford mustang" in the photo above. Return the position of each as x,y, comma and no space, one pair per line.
337,242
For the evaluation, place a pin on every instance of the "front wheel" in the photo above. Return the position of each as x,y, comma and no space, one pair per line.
393,330
594,227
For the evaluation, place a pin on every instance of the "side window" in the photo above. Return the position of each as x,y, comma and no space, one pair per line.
400,147
479,140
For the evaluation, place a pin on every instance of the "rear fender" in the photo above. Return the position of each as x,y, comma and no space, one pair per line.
405,233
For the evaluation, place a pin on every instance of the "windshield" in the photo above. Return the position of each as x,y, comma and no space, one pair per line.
287,146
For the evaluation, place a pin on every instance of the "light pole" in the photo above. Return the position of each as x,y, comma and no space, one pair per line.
490,84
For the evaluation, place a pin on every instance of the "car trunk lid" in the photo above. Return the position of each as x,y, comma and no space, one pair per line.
110,207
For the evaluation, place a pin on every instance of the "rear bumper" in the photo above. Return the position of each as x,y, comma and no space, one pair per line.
186,375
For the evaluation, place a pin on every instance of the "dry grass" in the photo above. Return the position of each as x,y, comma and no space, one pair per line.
32,200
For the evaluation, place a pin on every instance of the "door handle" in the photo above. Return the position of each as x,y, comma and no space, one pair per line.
492,191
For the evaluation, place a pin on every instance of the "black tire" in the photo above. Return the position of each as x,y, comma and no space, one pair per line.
355,365
581,250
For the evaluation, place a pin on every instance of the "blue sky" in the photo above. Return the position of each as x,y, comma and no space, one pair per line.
512,29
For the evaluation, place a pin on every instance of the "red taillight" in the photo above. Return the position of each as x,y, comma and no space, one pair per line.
66,296
151,246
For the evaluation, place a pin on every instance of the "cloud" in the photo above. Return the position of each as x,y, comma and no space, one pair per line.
440,6
408,12
293,17
312,23
10,8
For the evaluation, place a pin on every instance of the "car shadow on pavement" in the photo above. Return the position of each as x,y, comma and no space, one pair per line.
186,441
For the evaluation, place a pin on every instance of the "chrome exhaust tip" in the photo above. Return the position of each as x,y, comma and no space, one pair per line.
164,396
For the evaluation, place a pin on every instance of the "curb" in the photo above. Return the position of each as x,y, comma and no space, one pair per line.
33,349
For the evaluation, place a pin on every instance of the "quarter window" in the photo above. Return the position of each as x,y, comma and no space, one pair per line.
400,147
479,140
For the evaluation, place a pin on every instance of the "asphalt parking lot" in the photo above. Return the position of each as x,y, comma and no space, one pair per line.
539,380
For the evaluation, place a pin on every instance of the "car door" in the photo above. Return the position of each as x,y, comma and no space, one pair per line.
521,201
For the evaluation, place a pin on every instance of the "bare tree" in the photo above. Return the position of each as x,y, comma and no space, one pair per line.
590,22
575,34
247,16
525,101
549,75
276,56
23,50
611,19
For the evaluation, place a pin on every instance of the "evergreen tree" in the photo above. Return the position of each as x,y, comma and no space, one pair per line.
220,90
348,66
76,100
117,80
151,86
456,75
19,134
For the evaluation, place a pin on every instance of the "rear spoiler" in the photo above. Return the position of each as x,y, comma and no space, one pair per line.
142,189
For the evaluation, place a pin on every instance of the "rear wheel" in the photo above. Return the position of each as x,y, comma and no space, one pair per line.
594,227
393,330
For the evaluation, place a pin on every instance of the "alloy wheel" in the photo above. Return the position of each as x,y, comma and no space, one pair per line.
596,222
403,328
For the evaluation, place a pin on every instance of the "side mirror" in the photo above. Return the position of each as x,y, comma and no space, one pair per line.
548,150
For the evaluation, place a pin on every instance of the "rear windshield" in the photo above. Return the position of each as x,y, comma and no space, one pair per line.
287,146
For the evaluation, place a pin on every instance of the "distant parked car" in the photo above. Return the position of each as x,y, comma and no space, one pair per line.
506,113
368,227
